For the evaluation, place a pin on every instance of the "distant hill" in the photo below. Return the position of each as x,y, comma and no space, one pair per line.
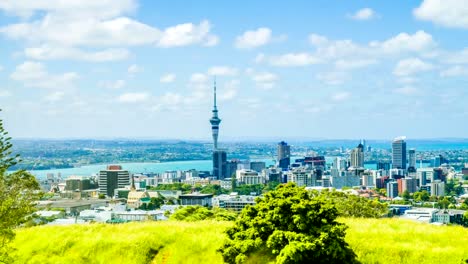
373,240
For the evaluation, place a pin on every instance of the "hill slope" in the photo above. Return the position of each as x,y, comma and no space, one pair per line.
373,240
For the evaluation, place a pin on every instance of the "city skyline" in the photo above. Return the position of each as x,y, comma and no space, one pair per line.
302,70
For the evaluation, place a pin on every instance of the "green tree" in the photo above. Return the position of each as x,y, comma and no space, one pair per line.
406,195
270,186
198,213
425,196
18,193
290,225
349,205
465,218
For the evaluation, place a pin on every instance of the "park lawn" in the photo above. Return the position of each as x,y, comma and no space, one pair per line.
373,240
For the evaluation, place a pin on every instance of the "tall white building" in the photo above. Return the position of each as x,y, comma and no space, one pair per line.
437,188
357,157
249,177
302,177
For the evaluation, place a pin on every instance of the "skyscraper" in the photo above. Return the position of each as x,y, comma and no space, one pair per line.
399,153
220,170
219,156
112,178
284,155
357,156
412,160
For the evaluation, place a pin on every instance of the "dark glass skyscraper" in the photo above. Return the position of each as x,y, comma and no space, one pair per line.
220,164
399,153
284,155
412,160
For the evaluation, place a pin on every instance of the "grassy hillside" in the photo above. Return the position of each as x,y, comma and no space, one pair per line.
374,241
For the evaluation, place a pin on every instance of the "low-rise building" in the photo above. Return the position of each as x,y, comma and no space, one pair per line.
139,215
420,214
196,199
233,201
248,177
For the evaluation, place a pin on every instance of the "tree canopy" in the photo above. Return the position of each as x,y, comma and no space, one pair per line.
197,213
349,205
18,193
289,225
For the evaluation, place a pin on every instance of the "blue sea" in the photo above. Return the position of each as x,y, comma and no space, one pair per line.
136,167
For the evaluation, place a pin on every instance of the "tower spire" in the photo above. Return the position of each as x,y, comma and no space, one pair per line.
215,119
214,87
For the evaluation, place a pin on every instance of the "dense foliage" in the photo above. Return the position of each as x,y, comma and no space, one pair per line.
290,225
18,192
349,205
214,189
198,213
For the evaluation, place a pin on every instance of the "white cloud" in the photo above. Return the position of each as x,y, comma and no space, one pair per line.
407,79
457,57
448,13
5,93
134,69
411,66
1,68
46,52
168,102
419,42
353,64
455,71
259,58
133,97
66,24
198,78
293,59
102,8
55,96
118,84
264,77
229,90
167,78
332,78
340,96
264,80
254,38
407,90
318,40
35,74
222,71
91,32
188,34
363,14
404,42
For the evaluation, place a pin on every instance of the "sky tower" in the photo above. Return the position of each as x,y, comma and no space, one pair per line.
215,120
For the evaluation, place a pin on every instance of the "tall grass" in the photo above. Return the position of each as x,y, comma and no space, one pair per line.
373,240
150,242
404,241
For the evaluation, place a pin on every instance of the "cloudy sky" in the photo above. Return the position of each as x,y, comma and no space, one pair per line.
315,69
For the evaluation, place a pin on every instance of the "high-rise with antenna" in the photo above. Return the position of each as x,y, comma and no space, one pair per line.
215,119
219,155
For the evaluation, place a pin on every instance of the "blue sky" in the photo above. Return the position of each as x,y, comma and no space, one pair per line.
285,69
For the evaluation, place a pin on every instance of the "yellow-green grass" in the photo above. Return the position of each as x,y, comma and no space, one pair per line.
162,242
405,241
373,240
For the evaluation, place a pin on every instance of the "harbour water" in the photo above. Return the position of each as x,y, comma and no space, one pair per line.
136,167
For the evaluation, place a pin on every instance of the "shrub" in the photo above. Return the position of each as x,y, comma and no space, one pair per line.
289,225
